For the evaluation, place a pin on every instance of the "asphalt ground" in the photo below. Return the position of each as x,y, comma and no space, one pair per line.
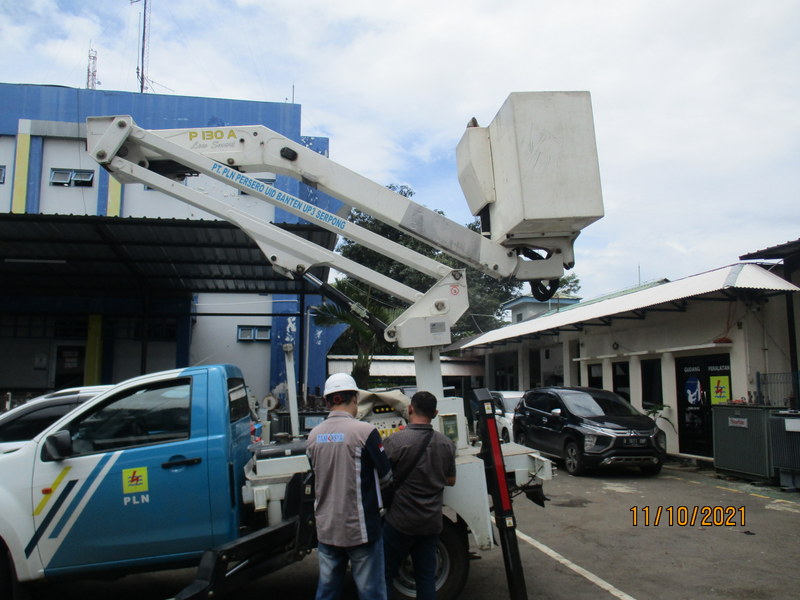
688,533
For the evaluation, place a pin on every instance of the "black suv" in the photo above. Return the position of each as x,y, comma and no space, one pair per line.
588,427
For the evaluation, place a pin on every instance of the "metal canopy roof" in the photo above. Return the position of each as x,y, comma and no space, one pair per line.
671,296
114,256
781,251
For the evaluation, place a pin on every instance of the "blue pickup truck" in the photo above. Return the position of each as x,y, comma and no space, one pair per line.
147,475
160,472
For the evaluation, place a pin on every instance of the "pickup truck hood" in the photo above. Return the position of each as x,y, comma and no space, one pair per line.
8,447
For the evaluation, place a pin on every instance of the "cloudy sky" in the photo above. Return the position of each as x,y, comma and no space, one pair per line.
696,103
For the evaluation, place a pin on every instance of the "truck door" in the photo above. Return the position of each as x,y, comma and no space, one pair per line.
134,488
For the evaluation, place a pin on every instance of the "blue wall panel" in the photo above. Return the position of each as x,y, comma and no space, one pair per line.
155,111
151,111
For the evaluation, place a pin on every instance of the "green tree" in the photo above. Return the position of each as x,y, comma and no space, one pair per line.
485,293
359,336
568,285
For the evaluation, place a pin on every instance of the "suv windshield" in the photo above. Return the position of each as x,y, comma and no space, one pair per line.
583,404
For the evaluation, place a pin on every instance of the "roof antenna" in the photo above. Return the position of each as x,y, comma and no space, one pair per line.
91,70
141,67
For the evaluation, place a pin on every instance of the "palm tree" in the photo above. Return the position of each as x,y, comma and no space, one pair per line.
359,335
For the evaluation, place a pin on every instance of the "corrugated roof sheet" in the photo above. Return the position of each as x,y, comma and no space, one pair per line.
786,250
107,256
740,276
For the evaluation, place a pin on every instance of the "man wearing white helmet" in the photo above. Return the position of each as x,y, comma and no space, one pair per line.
349,467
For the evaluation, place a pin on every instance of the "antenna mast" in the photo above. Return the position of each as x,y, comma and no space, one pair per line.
141,68
91,70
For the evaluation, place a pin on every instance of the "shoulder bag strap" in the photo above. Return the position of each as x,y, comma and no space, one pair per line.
398,481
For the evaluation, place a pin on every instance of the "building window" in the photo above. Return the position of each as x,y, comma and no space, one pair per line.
622,379
71,177
652,394
2,173
253,333
519,317
595,375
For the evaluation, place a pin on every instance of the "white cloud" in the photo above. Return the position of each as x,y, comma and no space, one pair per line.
696,104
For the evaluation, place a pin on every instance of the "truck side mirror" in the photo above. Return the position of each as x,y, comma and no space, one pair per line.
556,412
57,446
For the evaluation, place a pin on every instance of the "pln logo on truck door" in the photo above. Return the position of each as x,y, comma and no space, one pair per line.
134,486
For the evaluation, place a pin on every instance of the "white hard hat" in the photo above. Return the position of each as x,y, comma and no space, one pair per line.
339,382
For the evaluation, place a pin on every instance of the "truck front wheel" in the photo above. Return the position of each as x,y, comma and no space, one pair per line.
9,586
452,566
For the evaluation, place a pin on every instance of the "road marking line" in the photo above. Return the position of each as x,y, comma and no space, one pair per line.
601,583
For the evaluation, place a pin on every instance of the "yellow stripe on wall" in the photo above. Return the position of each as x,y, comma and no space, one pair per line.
94,351
19,195
114,208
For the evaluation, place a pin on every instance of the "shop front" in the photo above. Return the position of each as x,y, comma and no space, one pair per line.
702,381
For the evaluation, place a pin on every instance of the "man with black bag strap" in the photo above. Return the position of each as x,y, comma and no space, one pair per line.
423,461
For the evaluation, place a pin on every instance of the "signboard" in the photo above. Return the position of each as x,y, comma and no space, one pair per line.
720,389
737,422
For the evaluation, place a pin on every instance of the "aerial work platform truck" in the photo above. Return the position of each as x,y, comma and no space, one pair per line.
135,453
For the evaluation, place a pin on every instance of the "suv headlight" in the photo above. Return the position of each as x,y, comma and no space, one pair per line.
595,443
661,440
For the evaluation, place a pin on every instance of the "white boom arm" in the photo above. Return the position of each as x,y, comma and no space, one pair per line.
530,130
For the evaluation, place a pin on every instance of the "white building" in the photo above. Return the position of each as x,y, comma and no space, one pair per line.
103,281
714,335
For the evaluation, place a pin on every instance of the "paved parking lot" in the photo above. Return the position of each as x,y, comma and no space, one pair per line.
598,538
603,536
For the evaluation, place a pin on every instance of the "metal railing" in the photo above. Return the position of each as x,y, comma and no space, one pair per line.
778,389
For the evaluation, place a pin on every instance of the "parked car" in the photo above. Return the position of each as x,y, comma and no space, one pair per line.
588,427
506,402
24,422
503,403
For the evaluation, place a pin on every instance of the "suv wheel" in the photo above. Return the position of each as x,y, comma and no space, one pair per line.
520,437
573,459
651,469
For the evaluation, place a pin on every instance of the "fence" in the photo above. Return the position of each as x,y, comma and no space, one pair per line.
778,389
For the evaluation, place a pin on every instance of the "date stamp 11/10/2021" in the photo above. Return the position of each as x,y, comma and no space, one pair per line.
688,516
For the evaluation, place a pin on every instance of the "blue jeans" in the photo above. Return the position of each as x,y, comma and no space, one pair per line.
422,549
366,564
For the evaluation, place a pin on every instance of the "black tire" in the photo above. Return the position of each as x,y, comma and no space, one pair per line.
573,459
504,437
10,588
651,470
452,566
520,437
5,574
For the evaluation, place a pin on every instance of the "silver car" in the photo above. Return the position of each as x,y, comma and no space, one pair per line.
25,421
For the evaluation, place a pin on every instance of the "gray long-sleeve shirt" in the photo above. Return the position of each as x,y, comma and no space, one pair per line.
349,466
